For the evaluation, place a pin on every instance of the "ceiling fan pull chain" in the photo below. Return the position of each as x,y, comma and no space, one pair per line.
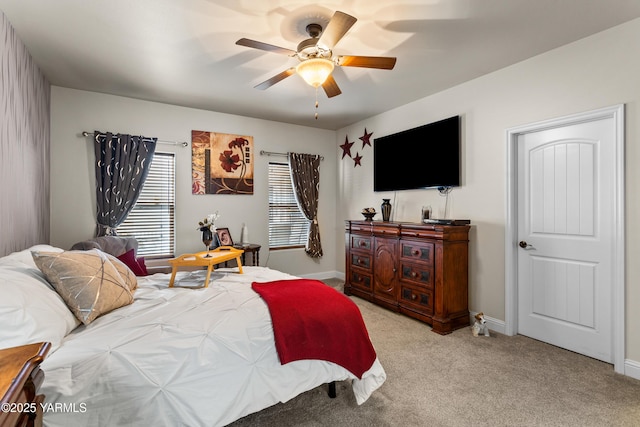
316,103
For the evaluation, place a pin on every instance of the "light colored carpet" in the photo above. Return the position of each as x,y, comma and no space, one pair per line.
462,380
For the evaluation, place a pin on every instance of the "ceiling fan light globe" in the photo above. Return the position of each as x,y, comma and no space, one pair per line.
315,71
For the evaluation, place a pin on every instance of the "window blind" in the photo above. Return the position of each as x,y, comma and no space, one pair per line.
288,227
152,219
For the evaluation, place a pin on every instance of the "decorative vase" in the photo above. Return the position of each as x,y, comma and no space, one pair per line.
244,236
386,209
207,236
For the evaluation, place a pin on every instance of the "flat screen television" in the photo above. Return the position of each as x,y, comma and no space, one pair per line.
427,156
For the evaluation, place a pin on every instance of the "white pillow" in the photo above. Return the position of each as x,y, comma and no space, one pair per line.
30,310
24,257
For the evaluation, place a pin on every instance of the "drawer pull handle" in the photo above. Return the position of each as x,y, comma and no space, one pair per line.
362,243
414,297
415,252
414,274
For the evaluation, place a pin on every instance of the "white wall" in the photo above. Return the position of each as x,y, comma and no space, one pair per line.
595,72
73,203
24,146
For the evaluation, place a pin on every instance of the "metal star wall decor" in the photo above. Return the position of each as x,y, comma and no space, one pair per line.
356,160
346,147
366,138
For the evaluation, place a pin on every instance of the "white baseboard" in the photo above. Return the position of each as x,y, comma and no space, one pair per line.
632,369
324,275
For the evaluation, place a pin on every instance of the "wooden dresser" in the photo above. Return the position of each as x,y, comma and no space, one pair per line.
420,270
20,379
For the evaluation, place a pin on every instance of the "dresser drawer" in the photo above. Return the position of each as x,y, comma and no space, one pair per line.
420,300
361,243
418,252
360,280
417,274
361,260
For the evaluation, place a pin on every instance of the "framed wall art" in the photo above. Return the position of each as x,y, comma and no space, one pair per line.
221,163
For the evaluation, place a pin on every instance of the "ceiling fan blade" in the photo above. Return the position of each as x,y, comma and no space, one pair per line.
336,28
275,79
382,62
331,87
265,46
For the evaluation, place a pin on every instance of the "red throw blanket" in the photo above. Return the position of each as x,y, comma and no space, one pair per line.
314,321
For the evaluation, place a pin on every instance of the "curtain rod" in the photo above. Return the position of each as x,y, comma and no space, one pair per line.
182,143
271,153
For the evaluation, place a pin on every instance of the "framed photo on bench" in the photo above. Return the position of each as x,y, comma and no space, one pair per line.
224,237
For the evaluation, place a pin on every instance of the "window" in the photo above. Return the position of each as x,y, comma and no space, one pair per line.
151,221
288,227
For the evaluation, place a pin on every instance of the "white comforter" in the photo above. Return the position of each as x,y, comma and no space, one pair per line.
182,357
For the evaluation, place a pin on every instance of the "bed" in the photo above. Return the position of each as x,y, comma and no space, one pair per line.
177,356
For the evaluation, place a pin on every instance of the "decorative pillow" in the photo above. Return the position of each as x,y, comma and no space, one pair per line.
136,265
113,245
91,283
143,266
30,310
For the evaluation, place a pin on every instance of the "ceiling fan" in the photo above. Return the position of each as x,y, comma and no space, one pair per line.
316,57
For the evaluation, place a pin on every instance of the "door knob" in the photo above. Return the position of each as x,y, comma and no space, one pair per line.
524,245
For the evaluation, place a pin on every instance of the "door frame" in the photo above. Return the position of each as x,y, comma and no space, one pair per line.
615,112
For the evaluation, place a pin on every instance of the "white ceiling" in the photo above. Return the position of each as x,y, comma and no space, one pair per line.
183,52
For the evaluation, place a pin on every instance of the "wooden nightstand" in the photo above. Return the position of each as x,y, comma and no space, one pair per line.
251,248
20,379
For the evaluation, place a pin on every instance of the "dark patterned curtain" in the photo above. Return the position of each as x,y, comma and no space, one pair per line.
305,176
122,165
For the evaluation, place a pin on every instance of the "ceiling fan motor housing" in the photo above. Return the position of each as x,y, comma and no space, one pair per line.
309,48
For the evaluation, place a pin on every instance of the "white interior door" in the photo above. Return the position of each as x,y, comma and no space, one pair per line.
566,228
